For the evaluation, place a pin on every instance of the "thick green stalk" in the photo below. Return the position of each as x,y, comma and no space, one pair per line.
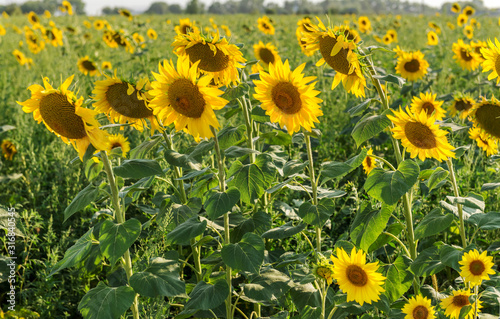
459,206
249,124
119,214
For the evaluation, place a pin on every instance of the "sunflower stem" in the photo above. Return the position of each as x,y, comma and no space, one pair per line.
459,206
249,124
314,187
119,214
399,242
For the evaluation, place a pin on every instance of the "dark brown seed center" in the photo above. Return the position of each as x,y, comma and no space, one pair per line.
59,115
460,301
488,118
477,267
356,275
286,97
412,66
266,56
339,61
420,312
428,107
89,65
186,98
124,104
208,61
465,55
462,105
420,135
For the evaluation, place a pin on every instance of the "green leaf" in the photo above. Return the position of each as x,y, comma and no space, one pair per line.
105,302
369,126
368,224
115,239
270,285
339,169
206,296
284,231
138,168
450,255
436,177
489,186
427,263
161,278
236,151
383,239
142,149
193,174
259,115
186,231
220,203
305,295
92,169
232,94
488,221
76,253
181,160
358,109
432,224
390,186
398,278
316,215
293,167
246,255
85,197
472,200
276,137
230,136
391,78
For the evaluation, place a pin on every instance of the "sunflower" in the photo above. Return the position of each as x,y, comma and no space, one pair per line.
468,11
87,67
125,13
477,48
486,116
489,145
139,39
491,61
435,27
428,103
360,280
2,30
33,18
185,26
181,99
369,162
453,304
8,150
365,26
106,65
455,7
461,104
465,56
432,38
419,307
20,57
387,39
53,36
287,97
119,141
469,31
266,53
226,30
35,43
303,25
411,65
324,270
450,25
353,35
476,267
393,34
265,25
125,102
462,19
62,114
87,24
99,24
66,7
217,57
338,53
420,135
152,34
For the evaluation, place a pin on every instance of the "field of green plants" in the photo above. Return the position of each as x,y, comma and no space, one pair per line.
250,166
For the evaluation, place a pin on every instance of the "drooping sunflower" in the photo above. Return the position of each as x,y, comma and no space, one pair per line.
420,135
468,11
432,38
462,19
435,27
182,99
353,35
185,26
33,18
8,150
266,53
152,34
119,141
106,65
126,13
455,7
63,114
67,7
486,116
491,61
469,31
339,53
365,26
489,145
53,36
265,25
454,303
411,65
465,56
324,270
287,97
419,307
87,66
125,102
217,57
462,104
428,103
360,280
369,162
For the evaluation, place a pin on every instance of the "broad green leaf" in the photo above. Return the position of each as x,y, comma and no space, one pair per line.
115,239
293,167
186,231
139,186
487,221
276,137
427,263
259,115
230,136
284,231
358,109
105,302
144,148
305,295
399,81
207,296
233,93
236,151
390,186
138,168
472,200
76,253
85,197
370,126
161,278
489,186
246,255
437,177
317,215
432,224
398,278
193,174
181,160
220,203
369,223
92,169
270,285
339,169
383,239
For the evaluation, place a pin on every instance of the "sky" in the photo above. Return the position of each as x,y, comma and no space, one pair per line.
93,7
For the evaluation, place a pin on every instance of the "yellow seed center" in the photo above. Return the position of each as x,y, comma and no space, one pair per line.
59,115
412,66
286,97
420,135
339,61
428,107
124,104
208,61
460,301
266,56
488,118
356,275
477,267
186,99
420,312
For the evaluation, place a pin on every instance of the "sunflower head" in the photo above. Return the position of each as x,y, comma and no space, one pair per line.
462,19
33,18
324,270
489,145
387,39
411,65
265,25
364,24
428,103
126,13
8,150
119,144
20,57
99,24
455,7
486,116
87,66
432,38
477,46
106,65
462,104
454,303
152,34
476,267
468,11
186,26
266,53
491,56
369,162
466,56
393,34
66,7
419,307
469,31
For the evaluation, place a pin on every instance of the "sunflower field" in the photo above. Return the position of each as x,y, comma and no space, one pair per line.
246,166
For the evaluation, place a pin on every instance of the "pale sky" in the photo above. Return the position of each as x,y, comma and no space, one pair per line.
93,7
